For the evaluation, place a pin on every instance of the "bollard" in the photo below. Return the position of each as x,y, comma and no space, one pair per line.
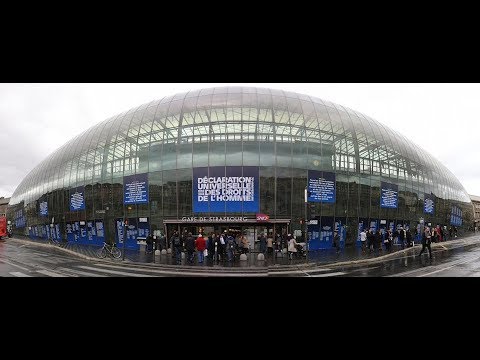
157,252
169,251
164,252
243,257
260,257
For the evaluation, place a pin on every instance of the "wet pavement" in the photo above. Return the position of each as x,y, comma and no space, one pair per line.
347,256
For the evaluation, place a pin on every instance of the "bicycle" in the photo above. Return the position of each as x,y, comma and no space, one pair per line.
109,249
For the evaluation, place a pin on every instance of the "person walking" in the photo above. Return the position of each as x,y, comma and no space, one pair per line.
363,239
426,242
190,247
292,247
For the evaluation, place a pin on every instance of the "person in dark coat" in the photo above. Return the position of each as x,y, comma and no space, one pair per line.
190,247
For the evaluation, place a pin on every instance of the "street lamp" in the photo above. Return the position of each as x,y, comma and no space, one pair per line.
124,224
306,223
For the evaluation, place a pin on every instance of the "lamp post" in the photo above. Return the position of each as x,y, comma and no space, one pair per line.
306,223
124,223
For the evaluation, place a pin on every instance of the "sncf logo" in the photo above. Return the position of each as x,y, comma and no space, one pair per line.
263,217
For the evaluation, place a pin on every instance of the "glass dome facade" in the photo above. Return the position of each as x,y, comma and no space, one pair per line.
285,135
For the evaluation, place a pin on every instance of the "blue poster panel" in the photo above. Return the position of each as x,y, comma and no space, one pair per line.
373,225
389,195
326,232
77,198
321,186
131,234
135,189
46,232
340,227
82,233
69,231
43,208
119,231
76,231
35,231
226,189
90,232
57,232
20,219
428,204
456,216
100,238
313,232
143,227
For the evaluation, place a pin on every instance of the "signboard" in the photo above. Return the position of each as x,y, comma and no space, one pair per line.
135,189
428,204
456,216
215,219
226,189
389,195
321,186
77,198
43,208
262,217
20,219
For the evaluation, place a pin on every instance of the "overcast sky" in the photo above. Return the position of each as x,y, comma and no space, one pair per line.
36,119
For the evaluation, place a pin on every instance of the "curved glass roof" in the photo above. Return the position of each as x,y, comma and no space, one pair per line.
357,143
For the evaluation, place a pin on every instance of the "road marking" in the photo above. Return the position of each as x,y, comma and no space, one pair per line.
448,267
329,274
12,264
78,272
114,272
279,272
19,274
160,272
51,273
453,263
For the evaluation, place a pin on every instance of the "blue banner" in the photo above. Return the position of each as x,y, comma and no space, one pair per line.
321,186
20,219
90,232
135,189
77,198
389,196
131,234
82,234
456,216
326,232
57,231
226,189
43,208
428,204
100,238
69,231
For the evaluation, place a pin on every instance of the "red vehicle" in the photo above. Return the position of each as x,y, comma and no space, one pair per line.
3,226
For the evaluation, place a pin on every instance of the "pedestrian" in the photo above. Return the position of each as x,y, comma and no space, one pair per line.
200,245
336,241
177,244
292,247
426,242
270,244
263,243
190,247
363,239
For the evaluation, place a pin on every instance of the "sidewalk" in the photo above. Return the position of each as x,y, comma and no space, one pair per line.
319,258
